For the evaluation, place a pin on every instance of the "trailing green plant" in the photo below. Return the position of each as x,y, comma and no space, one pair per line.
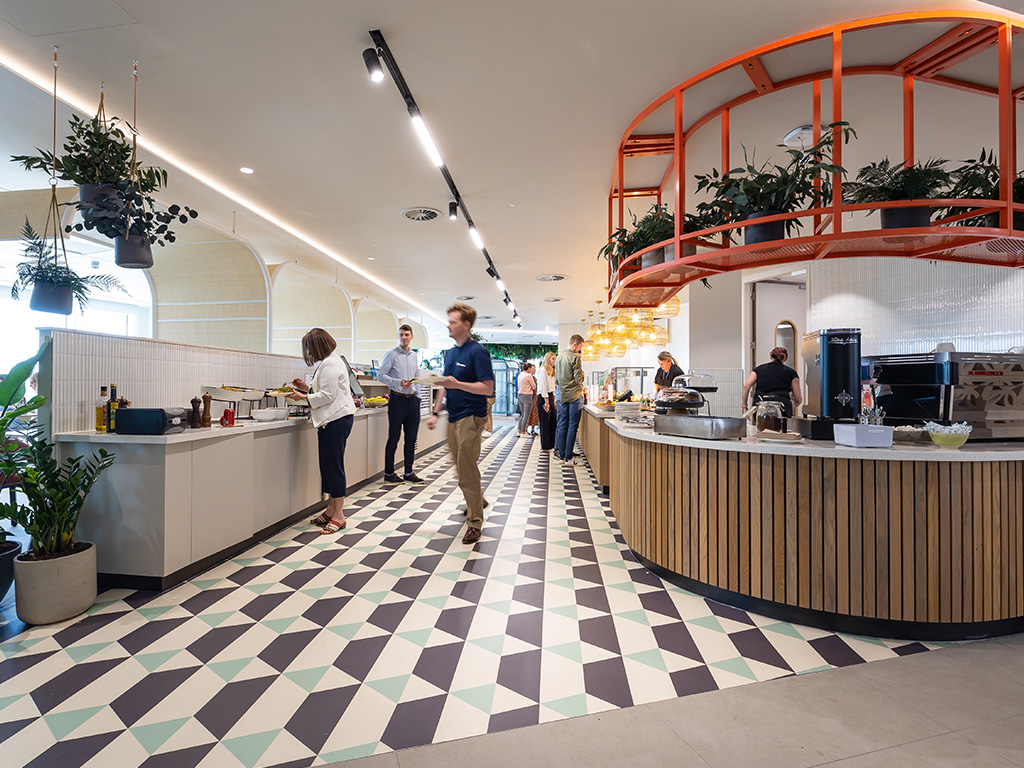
42,265
123,209
13,406
978,178
519,352
804,181
656,226
95,152
54,492
882,181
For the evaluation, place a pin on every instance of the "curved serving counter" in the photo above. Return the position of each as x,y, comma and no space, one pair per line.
914,541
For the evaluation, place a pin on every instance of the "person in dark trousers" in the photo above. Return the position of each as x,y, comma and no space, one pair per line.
546,410
569,377
667,370
470,382
774,381
332,410
399,368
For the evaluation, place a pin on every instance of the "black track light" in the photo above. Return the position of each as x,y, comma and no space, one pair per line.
453,210
491,271
507,300
373,67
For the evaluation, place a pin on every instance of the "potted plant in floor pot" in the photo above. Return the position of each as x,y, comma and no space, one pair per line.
55,286
13,406
979,178
750,192
56,579
881,182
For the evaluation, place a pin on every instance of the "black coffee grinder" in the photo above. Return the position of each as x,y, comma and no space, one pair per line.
833,379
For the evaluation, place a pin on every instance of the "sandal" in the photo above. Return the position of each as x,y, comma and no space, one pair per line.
333,527
322,519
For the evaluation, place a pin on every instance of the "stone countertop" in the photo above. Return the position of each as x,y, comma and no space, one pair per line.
976,451
599,413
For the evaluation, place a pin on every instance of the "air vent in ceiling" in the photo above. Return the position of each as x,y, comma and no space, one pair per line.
421,214
550,278
553,299
464,298
485,317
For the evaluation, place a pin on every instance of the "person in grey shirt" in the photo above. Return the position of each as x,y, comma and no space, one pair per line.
399,368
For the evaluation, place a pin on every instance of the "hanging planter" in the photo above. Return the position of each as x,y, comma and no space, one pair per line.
133,252
89,193
48,296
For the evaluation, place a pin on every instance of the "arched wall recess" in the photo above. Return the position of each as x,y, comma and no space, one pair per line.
210,289
420,338
302,301
376,332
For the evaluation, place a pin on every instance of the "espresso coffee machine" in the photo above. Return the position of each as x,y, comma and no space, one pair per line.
832,377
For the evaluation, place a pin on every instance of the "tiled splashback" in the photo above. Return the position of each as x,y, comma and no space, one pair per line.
904,306
149,373
726,401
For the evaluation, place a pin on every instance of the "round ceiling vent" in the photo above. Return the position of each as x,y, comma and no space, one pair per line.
550,278
464,298
485,317
421,214
553,299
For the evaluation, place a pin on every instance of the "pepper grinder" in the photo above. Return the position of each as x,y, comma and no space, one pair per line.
206,409
195,419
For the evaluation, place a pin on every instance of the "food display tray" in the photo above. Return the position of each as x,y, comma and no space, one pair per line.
705,427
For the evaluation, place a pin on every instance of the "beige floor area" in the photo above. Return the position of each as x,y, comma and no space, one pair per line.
959,706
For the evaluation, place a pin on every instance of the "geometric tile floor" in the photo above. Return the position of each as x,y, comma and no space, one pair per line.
308,650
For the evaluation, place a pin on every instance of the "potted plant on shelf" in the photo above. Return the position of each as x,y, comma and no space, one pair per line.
749,192
55,286
979,178
656,226
56,578
882,181
13,406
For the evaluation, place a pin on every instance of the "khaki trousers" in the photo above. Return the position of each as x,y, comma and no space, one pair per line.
464,444
490,414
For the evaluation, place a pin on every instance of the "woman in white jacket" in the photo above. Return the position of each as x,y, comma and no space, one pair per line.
332,409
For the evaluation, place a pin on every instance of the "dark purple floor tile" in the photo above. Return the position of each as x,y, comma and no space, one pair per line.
261,605
134,703
299,578
456,621
600,631
526,626
149,633
426,563
752,644
318,715
324,610
659,602
593,597
280,554
215,641
413,722
284,648
226,708
591,573
389,615
676,638
520,672
354,582
728,612
59,689
243,576
437,664
73,753
909,649
11,727
695,680
469,589
529,594
607,681
376,560
18,664
179,758
199,603
517,718
359,656
835,651
86,627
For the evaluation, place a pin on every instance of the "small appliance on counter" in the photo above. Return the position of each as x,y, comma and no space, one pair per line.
832,376
150,421
678,413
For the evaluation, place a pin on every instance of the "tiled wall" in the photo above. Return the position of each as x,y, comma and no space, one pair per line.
904,306
150,373
726,401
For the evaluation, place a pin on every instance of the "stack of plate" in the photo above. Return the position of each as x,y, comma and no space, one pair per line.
626,409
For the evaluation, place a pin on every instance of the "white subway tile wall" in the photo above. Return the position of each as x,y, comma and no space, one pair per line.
149,373
904,306
726,401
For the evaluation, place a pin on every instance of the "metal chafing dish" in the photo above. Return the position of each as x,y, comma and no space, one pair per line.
706,427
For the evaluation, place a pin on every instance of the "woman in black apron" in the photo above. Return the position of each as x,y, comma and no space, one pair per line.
774,381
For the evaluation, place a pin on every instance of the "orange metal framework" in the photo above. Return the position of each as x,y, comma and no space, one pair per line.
629,286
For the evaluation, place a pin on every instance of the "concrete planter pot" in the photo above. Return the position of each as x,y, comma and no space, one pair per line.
8,551
754,233
50,297
133,252
658,256
48,591
87,193
906,218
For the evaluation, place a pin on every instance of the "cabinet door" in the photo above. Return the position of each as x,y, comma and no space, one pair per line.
274,472
222,493
305,483
355,452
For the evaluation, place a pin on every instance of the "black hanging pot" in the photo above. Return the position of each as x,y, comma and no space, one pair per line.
87,193
50,297
133,252
763,233
916,217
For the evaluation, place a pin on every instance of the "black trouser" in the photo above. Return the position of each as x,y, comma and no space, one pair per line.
331,439
403,413
548,421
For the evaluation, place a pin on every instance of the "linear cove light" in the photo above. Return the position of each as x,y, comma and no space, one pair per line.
426,139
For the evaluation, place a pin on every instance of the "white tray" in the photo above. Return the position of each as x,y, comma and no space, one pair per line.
233,395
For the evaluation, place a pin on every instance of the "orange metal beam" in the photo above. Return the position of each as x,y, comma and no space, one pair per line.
837,133
908,120
1019,93
977,43
758,75
726,162
679,166
649,145
1007,126
939,46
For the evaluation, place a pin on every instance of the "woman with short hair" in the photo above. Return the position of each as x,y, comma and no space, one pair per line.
332,410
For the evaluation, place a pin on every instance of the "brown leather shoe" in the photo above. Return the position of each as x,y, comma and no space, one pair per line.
472,536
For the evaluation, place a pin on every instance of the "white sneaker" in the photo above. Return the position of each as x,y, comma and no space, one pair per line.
485,433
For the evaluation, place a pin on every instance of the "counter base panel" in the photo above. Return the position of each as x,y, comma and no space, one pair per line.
834,622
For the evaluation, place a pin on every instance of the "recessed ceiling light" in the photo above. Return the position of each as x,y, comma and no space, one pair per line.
421,294
550,278
371,258
553,299
245,170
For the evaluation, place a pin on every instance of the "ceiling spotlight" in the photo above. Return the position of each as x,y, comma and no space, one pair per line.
491,271
519,325
373,68
475,237
501,285
246,171
425,138
507,300
453,210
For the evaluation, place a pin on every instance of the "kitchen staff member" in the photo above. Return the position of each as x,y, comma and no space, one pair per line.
774,381
332,410
668,370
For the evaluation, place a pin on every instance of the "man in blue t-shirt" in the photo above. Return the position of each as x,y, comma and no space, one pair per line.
470,382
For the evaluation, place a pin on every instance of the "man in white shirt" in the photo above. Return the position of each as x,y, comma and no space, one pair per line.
398,369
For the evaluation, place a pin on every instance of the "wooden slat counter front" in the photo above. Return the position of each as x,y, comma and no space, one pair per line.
913,541
594,441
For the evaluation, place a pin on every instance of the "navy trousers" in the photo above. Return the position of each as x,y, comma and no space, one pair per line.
403,414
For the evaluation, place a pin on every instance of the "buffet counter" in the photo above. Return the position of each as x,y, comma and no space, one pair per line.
594,441
173,505
915,541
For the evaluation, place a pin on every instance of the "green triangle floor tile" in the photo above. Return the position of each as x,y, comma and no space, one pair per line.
435,602
293,565
321,545
572,651
508,578
97,607
259,589
861,638
279,625
249,749
16,647
152,661
564,583
480,697
152,737
363,750
417,636
824,668
343,567
493,644
243,561
708,622
625,586
561,560
640,617
396,571
153,613
316,593
8,700
571,706
374,597
307,679
783,628
450,575
63,723
205,583
80,653
570,611
737,666
216,619
500,606
651,658
392,687
348,631
226,670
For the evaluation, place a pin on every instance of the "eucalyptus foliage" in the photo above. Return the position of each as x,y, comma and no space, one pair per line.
42,266
55,492
123,209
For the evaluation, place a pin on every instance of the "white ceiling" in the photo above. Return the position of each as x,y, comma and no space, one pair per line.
527,101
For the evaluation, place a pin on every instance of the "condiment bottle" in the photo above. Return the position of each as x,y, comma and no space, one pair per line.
101,410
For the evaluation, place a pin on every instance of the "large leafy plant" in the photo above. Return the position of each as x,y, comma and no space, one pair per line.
42,265
804,180
124,209
978,178
656,226
882,181
55,492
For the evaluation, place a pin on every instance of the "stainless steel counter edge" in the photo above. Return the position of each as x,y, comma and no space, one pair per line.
194,435
828,449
